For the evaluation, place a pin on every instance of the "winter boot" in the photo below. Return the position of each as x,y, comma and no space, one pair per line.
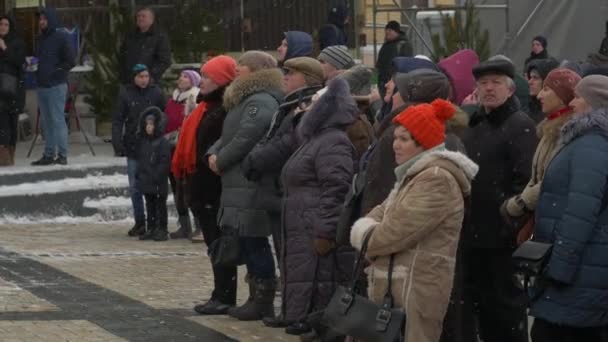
276,322
235,310
197,236
160,234
185,228
5,156
212,307
138,229
262,304
45,160
149,234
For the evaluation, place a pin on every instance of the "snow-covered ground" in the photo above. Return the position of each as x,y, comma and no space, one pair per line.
65,185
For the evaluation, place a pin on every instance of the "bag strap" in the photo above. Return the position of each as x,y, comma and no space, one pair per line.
359,265
388,296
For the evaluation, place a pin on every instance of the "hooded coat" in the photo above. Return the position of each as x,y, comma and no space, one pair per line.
572,215
265,162
55,55
299,44
333,33
502,143
11,62
132,101
400,47
316,180
250,101
150,48
154,157
420,223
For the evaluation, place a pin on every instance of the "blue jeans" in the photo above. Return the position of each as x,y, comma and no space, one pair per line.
257,255
137,198
51,102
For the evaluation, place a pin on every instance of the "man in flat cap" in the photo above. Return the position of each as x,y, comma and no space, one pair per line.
501,139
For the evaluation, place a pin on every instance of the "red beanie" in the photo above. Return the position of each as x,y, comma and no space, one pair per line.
221,70
426,122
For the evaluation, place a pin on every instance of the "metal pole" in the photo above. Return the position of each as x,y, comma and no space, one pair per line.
414,27
242,28
523,26
357,25
375,12
507,29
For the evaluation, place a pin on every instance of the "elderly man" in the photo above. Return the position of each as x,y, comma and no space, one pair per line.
147,45
501,139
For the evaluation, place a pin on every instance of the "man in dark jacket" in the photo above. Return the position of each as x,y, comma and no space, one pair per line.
147,45
334,32
537,71
501,139
55,59
133,99
264,163
295,44
396,44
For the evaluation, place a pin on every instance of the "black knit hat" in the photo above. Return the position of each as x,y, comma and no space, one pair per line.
542,40
542,66
497,66
393,25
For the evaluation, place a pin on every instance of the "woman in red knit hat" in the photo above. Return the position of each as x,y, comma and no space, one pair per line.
418,225
201,129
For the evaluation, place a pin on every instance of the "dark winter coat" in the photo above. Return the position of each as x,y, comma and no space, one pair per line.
132,100
572,215
535,109
251,101
400,47
55,55
316,180
533,56
206,186
333,33
11,62
154,157
502,143
265,162
150,48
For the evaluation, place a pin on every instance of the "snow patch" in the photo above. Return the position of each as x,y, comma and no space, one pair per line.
66,185
114,202
68,220
84,163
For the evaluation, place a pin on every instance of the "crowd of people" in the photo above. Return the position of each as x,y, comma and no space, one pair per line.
443,174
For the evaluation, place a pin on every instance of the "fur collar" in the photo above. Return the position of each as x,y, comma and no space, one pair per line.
550,129
580,125
182,96
459,165
334,109
268,80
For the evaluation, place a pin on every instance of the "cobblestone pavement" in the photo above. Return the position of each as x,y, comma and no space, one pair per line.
90,282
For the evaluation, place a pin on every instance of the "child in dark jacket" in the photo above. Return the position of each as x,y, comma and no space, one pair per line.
153,165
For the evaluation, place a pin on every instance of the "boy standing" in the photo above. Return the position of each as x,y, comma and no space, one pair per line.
153,165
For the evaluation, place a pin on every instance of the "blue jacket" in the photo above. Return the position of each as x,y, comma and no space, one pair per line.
55,55
571,214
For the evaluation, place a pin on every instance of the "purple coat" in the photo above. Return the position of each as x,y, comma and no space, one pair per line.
316,180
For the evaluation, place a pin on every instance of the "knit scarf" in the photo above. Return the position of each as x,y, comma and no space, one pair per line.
402,169
184,157
559,113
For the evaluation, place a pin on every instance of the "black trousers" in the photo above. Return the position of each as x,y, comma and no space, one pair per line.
224,278
156,211
499,306
543,331
179,196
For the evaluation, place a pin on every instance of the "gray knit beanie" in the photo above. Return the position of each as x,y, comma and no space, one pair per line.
359,79
257,60
338,56
594,89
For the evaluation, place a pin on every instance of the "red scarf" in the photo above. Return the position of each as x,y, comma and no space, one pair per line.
559,113
184,157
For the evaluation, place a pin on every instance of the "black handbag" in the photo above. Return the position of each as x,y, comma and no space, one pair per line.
531,258
9,85
354,315
225,251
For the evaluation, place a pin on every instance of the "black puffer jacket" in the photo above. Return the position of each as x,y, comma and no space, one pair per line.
150,48
206,186
132,100
154,161
502,143
316,179
265,162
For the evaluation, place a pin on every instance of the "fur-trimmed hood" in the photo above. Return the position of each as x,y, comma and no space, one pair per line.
267,80
160,121
334,109
459,165
579,125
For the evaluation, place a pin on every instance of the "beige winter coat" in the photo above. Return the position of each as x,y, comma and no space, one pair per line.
548,132
420,223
